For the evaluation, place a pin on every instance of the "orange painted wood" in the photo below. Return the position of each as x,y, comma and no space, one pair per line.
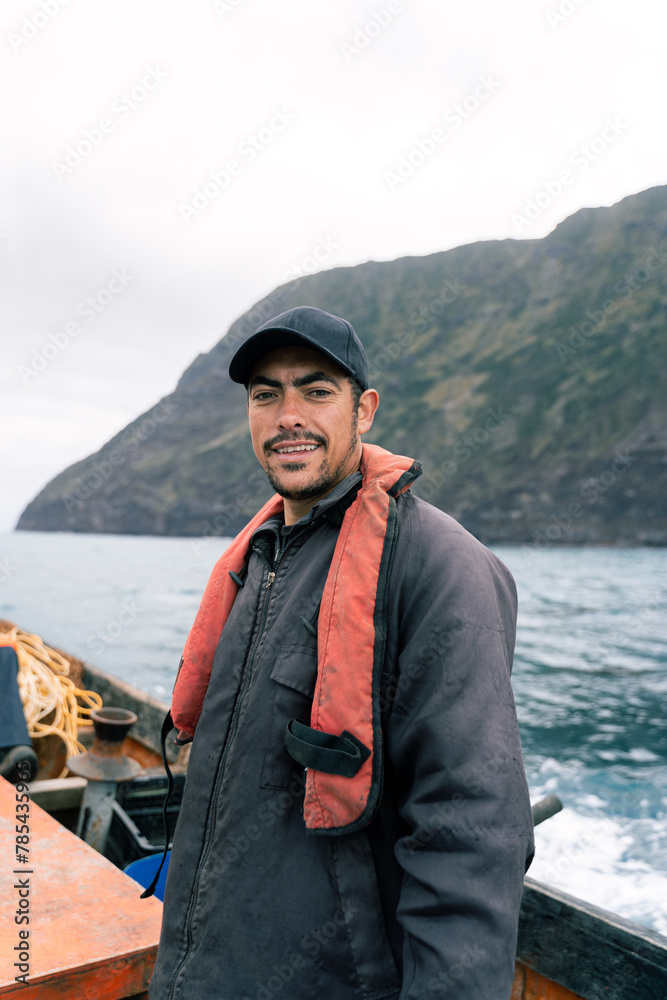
136,750
530,985
91,936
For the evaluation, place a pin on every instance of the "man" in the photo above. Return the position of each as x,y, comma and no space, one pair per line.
356,821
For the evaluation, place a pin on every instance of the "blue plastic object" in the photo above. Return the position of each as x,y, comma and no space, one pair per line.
143,870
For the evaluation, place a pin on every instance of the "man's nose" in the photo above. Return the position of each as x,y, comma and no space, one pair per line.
291,412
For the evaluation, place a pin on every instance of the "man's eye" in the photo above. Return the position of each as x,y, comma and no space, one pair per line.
320,392
263,395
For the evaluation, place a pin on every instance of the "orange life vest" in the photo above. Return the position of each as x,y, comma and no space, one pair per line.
345,716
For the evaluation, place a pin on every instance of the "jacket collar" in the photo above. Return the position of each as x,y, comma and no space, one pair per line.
332,506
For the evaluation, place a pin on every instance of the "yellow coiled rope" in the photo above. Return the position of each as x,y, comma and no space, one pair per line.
45,688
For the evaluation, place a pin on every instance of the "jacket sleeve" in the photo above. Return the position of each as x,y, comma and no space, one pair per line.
453,745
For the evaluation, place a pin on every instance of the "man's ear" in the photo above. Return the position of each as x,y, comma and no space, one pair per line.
368,404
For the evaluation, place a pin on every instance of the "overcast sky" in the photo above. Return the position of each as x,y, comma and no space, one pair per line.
165,165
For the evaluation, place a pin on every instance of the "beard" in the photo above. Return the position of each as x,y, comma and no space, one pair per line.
324,481
326,477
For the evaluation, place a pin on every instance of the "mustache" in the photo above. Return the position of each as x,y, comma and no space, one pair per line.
284,438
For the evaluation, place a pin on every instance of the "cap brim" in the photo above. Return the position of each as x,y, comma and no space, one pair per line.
253,350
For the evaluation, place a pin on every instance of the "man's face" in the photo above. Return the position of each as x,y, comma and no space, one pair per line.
303,422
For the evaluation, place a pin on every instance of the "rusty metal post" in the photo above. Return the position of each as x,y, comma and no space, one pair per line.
104,766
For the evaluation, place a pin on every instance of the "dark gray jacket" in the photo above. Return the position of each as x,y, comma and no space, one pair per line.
422,903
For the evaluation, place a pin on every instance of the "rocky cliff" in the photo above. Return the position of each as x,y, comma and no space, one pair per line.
528,376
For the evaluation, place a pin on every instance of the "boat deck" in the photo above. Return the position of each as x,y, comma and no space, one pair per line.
90,935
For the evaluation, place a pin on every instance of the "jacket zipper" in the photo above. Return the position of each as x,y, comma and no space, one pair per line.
243,688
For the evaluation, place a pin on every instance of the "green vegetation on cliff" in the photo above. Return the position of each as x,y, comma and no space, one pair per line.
528,377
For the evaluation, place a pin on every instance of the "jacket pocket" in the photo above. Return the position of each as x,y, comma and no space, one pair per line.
364,919
294,675
296,668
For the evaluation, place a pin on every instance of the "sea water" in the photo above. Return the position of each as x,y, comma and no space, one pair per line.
590,679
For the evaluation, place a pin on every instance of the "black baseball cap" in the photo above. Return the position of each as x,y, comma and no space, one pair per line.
331,335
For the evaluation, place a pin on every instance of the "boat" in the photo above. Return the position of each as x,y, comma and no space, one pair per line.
568,949
571,950
80,928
